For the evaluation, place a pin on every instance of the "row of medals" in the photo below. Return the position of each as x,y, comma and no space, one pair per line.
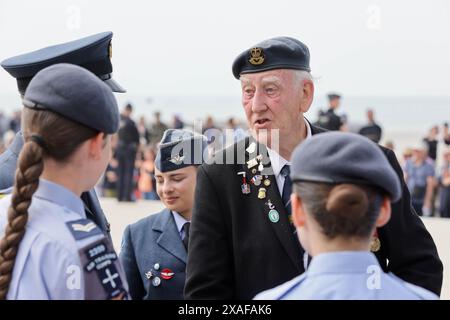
257,179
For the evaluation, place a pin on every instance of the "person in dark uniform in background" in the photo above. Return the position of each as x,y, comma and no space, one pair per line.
242,239
92,53
329,120
127,148
154,249
432,142
371,130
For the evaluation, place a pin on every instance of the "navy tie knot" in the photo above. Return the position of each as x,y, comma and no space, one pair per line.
285,171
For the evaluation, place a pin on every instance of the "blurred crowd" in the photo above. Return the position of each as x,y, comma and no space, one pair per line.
130,173
427,177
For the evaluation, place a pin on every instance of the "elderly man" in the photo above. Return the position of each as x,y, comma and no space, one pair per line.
242,239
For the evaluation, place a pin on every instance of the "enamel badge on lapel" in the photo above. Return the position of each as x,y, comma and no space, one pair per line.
245,187
256,180
167,274
149,274
262,193
156,281
274,216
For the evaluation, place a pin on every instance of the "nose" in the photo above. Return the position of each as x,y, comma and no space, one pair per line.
167,187
259,102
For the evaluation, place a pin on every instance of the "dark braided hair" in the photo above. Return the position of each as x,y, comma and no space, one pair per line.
46,134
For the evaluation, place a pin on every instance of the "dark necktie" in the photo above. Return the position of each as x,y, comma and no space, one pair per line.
186,234
287,190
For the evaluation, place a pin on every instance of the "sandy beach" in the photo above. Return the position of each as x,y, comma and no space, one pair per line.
122,214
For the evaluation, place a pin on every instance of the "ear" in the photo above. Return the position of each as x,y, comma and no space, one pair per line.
96,145
385,212
298,214
307,94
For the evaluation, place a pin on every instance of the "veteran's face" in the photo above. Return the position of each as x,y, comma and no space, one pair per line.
176,189
274,99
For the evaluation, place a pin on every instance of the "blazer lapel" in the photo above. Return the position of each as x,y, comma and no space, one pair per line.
281,228
170,239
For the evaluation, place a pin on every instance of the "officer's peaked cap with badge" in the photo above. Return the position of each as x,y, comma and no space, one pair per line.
74,93
92,53
344,158
274,53
180,148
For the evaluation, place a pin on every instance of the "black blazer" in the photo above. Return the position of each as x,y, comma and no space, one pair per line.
235,251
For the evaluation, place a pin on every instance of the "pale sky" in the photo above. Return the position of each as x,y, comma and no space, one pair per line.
359,47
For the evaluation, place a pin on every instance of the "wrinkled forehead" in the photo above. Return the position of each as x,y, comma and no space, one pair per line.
271,76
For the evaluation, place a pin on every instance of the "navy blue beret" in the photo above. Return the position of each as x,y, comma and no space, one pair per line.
76,94
179,149
275,53
340,157
92,53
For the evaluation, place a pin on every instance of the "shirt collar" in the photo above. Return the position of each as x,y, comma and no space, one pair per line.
179,220
277,161
59,195
342,262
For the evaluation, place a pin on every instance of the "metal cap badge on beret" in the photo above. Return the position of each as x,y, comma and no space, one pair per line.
339,157
275,53
179,149
76,94
92,53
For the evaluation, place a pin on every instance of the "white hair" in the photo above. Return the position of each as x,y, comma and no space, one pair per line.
301,75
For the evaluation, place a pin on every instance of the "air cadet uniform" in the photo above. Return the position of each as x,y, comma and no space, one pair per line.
345,274
63,254
92,53
242,241
154,249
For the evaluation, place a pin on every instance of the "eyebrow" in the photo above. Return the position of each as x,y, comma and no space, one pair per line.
266,80
271,79
169,175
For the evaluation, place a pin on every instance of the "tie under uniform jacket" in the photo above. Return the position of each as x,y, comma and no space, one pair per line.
237,251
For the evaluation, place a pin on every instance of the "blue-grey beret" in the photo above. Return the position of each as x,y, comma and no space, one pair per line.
179,149
76,94
340,157
92,53
275,53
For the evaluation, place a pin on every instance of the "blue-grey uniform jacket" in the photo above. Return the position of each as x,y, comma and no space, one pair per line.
154,258
8,163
